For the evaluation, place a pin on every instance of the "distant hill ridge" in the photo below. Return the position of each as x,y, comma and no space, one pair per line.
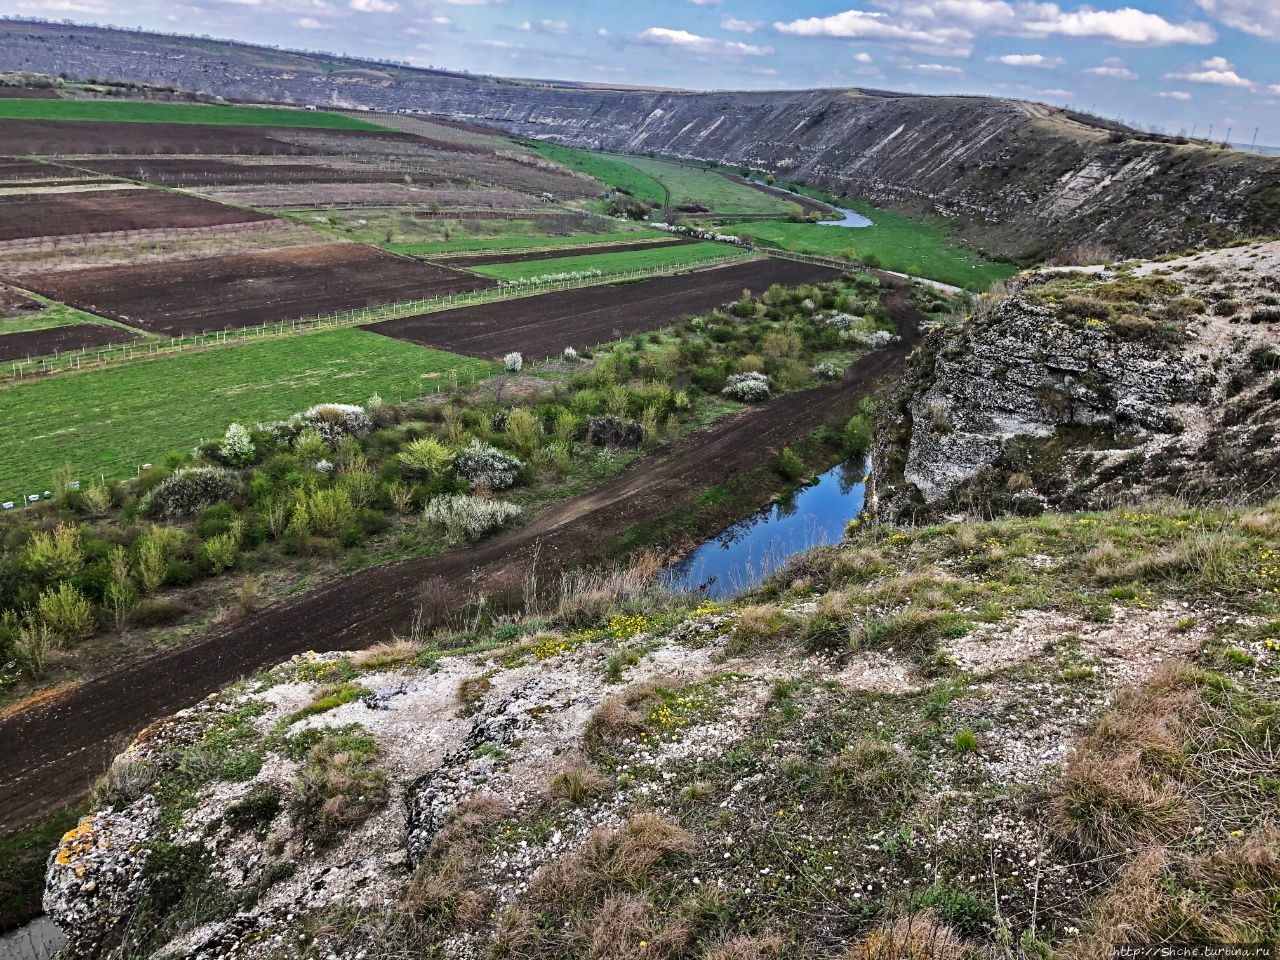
1017,179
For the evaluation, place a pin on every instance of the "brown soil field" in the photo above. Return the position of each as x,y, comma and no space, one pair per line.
544,325
41,343
210,170
15,301
243,290
51,754
104,211
28,93
313,196
20,138
18,170
517,257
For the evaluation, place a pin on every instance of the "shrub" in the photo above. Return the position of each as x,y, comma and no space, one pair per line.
66,611
870,771
524,431
223,551
827,371
486,467
324,512
155,550
857,435
747,387
57,555
790,466
333,421
187,491
236,448
513,362
425,457
465,519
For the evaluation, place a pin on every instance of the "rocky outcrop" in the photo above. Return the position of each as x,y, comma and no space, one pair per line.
1077,388
95,876
1013,178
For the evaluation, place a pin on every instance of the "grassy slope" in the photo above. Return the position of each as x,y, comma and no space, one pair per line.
608,262
521,242
898,243
611,171
697,185
186,113
110,421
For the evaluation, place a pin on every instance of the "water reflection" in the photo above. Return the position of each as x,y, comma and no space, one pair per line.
743,555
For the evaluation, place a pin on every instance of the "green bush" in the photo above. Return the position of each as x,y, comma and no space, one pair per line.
66,612
790,465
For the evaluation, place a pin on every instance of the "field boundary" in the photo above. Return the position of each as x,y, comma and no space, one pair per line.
135,351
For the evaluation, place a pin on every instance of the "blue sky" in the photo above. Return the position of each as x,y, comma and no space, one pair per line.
1170,64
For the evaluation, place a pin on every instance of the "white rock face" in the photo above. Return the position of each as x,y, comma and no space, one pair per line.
94,878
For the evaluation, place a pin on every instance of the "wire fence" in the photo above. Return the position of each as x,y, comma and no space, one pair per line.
87,358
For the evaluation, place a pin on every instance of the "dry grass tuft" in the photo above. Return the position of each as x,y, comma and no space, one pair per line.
758,627
587,596
577,783
919,937
869,770
381,656
621,718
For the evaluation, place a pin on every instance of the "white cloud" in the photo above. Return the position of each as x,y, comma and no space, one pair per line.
1274,88
61,6
440,20
311,23
1028,60
943,24
937,69
1056,94
373,6
740,26
1174,95
602,32
501,44
863,58
557,27
864,25
1114,68
1258,17
1217,71
705,3
683,40
1126,25
475,3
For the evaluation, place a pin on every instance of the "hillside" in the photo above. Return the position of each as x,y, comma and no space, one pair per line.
1012,178
1031,736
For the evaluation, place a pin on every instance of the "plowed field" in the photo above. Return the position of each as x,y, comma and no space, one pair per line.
544,325
102,211
243,290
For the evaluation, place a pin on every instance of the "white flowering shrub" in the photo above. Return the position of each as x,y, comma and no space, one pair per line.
570,355
513,362
333,421
747,387
323,466
465,519
236,447
189,491
543,279
807,305
827,371
868,338
698,233
487,467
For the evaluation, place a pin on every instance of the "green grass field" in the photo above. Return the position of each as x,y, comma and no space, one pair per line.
55,315
112,420
522,242
619,262
898,243
113,111
609,170
691,184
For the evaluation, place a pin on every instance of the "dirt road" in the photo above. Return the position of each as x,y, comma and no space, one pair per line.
50,754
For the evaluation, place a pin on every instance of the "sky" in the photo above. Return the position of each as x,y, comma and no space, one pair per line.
1173,65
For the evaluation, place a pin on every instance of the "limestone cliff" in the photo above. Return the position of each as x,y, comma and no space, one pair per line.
1080,388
